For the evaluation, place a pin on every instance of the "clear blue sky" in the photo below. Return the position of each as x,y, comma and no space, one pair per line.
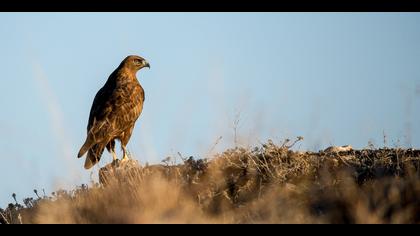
333,78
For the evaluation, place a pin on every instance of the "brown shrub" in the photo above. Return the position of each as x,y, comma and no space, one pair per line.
268,184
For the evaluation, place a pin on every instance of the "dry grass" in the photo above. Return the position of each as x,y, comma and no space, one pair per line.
268,184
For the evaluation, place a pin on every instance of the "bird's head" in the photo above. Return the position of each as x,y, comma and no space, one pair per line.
135,63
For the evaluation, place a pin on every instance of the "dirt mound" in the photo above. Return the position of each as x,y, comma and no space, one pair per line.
267,184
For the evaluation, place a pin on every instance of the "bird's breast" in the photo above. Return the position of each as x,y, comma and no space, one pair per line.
130,104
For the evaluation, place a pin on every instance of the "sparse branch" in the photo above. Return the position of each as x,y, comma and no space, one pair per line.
299,138
235,127
214,145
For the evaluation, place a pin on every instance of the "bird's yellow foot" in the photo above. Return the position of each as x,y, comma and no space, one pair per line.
124,160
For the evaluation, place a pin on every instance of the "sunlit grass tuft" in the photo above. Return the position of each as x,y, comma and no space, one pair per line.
266,184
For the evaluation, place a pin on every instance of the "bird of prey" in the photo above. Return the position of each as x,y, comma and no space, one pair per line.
115,109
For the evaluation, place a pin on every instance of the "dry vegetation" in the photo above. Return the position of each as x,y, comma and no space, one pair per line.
267,184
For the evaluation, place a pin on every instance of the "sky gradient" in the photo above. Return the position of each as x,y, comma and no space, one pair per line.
333,78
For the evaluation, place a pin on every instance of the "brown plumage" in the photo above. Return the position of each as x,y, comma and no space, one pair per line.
115,109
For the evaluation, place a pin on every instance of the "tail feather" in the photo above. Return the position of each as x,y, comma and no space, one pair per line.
86,146
94,155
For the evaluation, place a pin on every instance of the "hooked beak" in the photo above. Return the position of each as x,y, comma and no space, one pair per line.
146,64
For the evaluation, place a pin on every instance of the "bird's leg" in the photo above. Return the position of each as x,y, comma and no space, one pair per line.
114,154
125,156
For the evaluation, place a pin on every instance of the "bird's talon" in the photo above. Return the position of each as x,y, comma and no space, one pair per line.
115,162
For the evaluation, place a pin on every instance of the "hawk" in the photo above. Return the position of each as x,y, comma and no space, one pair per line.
115,109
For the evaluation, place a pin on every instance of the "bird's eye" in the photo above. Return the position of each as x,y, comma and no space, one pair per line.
137,61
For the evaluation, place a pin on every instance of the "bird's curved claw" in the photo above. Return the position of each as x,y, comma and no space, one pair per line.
116,163
124,160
